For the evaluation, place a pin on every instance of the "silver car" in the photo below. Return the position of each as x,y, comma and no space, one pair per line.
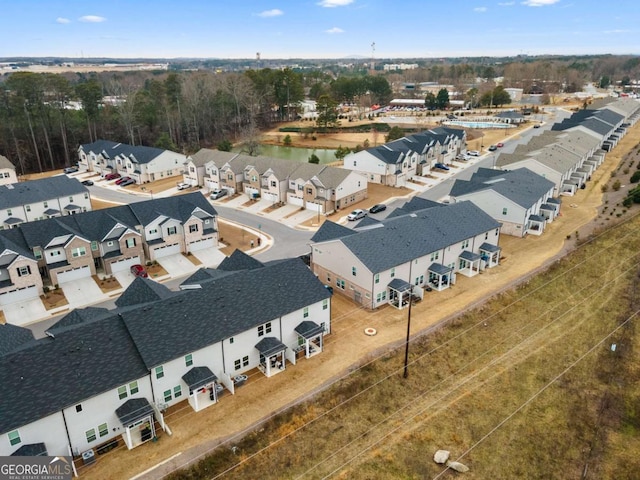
356,215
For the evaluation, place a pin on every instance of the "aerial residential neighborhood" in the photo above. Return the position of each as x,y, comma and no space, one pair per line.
278,241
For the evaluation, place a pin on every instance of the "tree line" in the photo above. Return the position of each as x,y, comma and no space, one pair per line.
181,111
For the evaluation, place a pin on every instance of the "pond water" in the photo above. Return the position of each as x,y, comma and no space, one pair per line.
297,154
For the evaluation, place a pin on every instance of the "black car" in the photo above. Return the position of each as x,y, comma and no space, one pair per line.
493,148
381,207
88,183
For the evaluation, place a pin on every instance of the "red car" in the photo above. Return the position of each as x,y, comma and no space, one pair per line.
500,145
111,176
122,179
139,271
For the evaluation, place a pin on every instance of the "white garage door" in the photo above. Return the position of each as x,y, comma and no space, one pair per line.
20,295
271,197
316,207
122,265
74,274
295,200
166,251
201,245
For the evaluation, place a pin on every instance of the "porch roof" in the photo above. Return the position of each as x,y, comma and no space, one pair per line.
536,218
399,285
269,346
51,211
133,410
439,269
554,201
548,206
12,220
308,329
72,206
198,377
488,247
470,256
31,450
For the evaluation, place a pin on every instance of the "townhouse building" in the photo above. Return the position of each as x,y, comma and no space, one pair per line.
7,171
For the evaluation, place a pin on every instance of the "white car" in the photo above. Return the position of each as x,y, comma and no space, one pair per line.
216,194
183,186
473,153
356,215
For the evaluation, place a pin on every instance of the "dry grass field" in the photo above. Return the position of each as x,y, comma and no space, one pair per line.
525,386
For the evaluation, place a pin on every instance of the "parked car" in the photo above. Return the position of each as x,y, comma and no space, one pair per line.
122,179
441,166
111,176
183,186
499,144
473,153
380,207
216,194
138,271
493,148
88,183
537,125
356,215
128,181
70,170
462,157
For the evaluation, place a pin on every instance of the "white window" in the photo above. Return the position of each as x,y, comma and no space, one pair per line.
264,329
177,391
245,361
54,253
305,312
325,304
153,231
103,430
23,271
193,228
78,252
28,208
130,242
122,392
110,243
465,244
14,437
159,372
377,278
167,396
78,408
188,360
237,364
435,256
91,435
172,230
133,388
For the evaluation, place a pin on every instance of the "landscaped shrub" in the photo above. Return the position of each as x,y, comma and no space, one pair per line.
616,185
635,178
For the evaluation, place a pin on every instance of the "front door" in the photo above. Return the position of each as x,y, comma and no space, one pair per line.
357,296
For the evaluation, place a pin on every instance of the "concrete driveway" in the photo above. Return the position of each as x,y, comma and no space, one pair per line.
22,313
124,278
82,292
177,265
210,257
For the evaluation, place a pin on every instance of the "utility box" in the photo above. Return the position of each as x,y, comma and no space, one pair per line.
88,457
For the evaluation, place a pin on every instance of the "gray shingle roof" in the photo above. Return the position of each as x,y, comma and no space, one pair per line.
133,410
180,207
135,153
387,155
222,308
204,275
239,260
521,186
143,290
55,373
329,231
415,235
12,337
308,329
32,191
198,376
269,346
31,450
77,317
206,155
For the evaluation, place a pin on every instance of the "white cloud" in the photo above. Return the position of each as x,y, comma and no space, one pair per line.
92,19
62,20
334,3
334,30
480,9
271,13
539,3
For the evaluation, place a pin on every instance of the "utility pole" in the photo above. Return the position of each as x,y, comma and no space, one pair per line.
406,345
373,52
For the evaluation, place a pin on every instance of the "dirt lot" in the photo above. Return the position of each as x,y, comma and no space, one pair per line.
194,434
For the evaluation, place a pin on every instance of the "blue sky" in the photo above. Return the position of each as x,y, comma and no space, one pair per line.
316,28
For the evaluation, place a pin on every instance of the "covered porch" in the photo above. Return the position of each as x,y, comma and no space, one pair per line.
136,416
310,338
272,359
469,263
440,277
549,212
569,187
202,387
399,293
490,254
535,224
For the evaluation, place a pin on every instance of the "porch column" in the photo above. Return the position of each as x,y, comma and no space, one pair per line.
129,442
195,399
306,347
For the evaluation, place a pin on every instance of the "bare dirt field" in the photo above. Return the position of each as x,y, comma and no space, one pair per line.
347,346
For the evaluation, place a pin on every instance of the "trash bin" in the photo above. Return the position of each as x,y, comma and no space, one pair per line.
88,457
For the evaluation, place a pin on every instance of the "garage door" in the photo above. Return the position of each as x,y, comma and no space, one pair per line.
74,274
166,251
316,207
122,265
19,295
271,197
201,245
295,200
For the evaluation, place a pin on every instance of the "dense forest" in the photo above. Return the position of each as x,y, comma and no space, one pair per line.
187,110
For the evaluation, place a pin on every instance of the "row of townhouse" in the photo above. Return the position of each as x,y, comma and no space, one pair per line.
62,249
7,171
320,188
521,200
397,162
105,377
573,149
422,245
39,199
143,164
